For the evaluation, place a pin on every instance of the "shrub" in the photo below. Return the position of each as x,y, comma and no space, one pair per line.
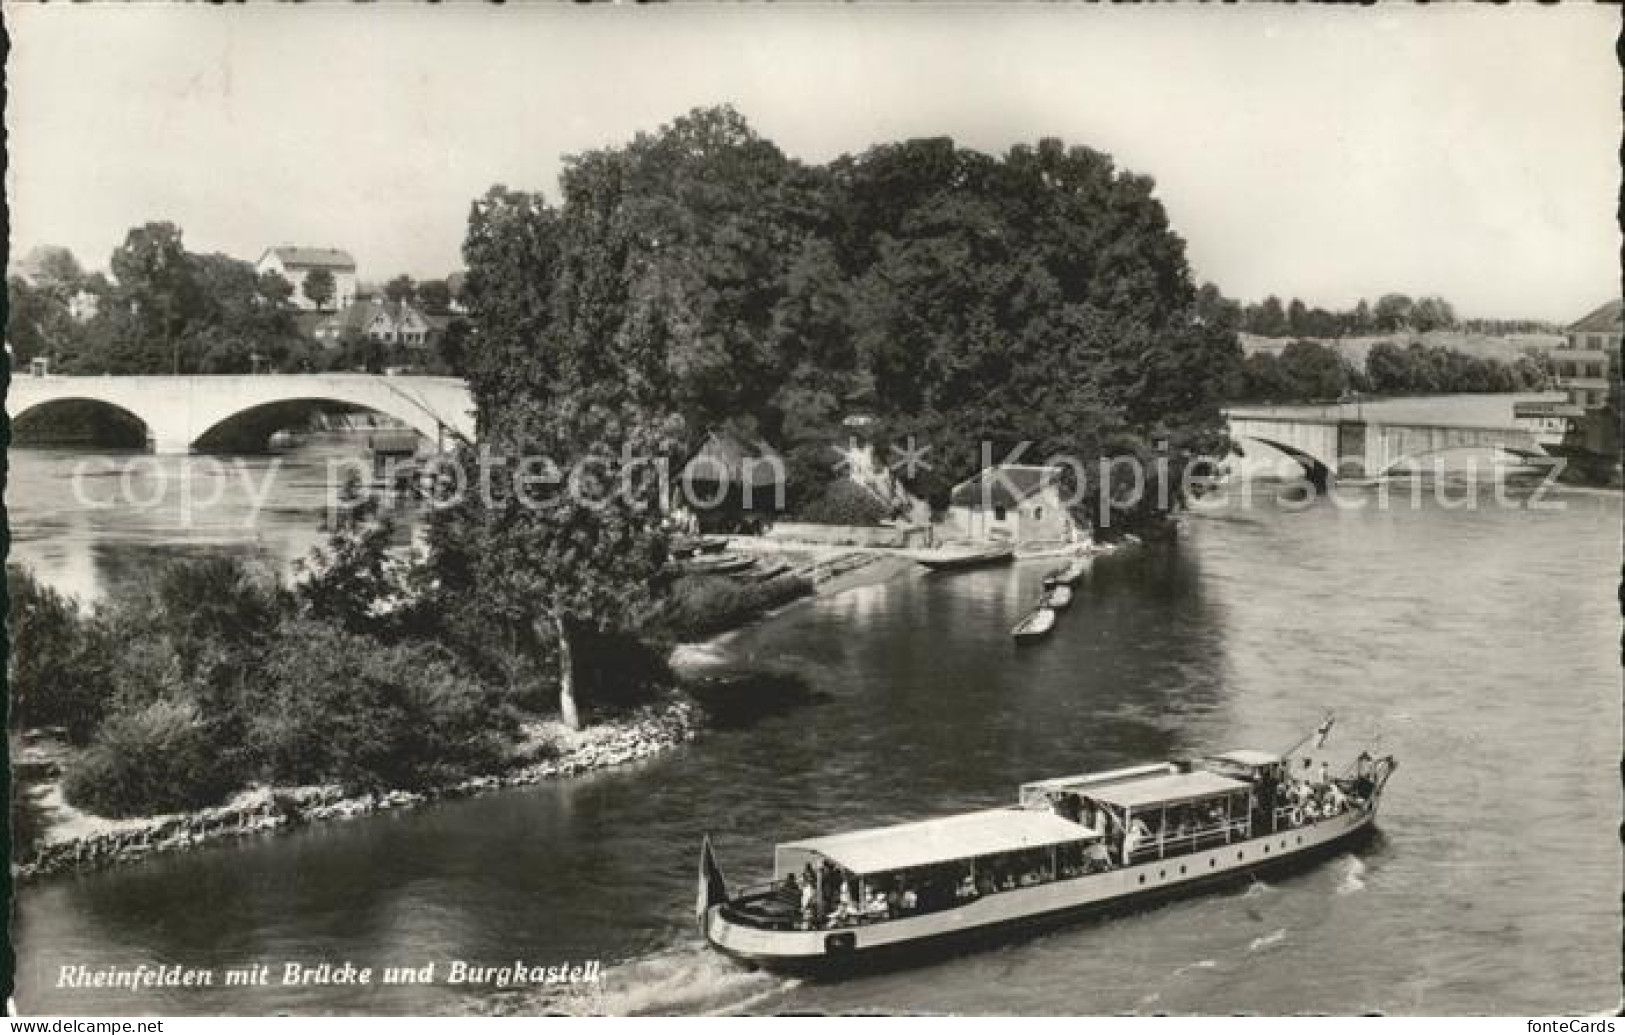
845,502
60,671
704,604
338,707
160,758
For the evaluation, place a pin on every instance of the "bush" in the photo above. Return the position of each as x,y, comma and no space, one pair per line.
704,604
60,671
845,502
337,707
160,758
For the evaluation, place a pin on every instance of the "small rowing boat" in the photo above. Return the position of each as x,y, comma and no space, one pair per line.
718,564
1069,847
1035,626
1068,575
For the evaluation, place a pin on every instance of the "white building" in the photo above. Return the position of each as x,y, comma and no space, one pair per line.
294,264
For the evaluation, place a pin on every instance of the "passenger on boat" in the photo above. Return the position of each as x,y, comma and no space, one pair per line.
876,908
1096,858
967,888
1138,834
908,902
809,901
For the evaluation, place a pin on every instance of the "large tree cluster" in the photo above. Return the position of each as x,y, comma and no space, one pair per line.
165,310
698,278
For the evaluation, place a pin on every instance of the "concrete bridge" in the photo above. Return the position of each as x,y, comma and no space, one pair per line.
242,411
1362,447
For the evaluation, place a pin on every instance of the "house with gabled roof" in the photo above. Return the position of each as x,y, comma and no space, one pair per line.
294,263
378,319
1586,367
1020,504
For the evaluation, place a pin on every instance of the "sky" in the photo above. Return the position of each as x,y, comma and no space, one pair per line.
1314,151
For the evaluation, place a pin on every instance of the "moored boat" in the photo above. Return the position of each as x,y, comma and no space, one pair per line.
716,564
1057,598
955,558
1068,575
1037,625
1069,847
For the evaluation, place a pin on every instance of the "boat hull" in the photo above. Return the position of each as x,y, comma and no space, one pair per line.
967,559
1004,915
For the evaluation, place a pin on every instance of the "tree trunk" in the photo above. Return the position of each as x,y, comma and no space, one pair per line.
567,676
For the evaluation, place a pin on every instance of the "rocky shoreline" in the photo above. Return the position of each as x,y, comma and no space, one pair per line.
648,732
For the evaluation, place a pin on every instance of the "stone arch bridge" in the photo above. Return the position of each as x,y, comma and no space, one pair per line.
242,411
1329,447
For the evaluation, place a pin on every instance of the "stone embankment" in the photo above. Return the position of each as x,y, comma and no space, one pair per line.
642,735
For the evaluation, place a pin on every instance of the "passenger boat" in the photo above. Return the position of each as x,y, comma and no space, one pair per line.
1035,626
1057,598
955,558
1068,847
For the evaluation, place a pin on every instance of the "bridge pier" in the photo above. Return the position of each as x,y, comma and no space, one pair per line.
168,445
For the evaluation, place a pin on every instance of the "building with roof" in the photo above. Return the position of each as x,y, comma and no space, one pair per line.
294,263
1022,504
1588,363
733,481
377,319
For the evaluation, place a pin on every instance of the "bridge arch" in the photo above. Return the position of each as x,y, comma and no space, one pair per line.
1507,448
249,430
72,419
1314,469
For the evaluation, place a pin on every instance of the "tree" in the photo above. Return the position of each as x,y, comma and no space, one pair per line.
567,377
1270,320
155,281
1297,317
320,287
1362,319
1393,312
1313,370
400,289
434,295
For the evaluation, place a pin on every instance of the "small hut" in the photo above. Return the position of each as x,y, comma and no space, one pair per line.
732,483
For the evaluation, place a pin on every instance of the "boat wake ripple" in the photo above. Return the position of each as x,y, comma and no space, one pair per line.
688,979
1353,877
1266,940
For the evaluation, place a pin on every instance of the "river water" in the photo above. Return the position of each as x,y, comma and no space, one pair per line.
1475,638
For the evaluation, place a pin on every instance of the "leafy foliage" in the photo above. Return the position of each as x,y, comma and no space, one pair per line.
703,604
58,671
845,502
159,758
337,706
167,310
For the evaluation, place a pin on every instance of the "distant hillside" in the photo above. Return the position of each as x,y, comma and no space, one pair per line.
1505,348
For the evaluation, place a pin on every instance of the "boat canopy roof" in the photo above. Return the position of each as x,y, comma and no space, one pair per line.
967,836
1166,790
1250,758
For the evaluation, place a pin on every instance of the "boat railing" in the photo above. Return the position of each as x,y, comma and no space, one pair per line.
1192,841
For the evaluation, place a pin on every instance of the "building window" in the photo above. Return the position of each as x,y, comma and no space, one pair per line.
1038,513
998,513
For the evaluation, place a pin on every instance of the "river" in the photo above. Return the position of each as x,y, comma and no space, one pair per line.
1476,640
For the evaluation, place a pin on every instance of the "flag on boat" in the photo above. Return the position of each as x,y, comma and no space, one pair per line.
1322,730
713,887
